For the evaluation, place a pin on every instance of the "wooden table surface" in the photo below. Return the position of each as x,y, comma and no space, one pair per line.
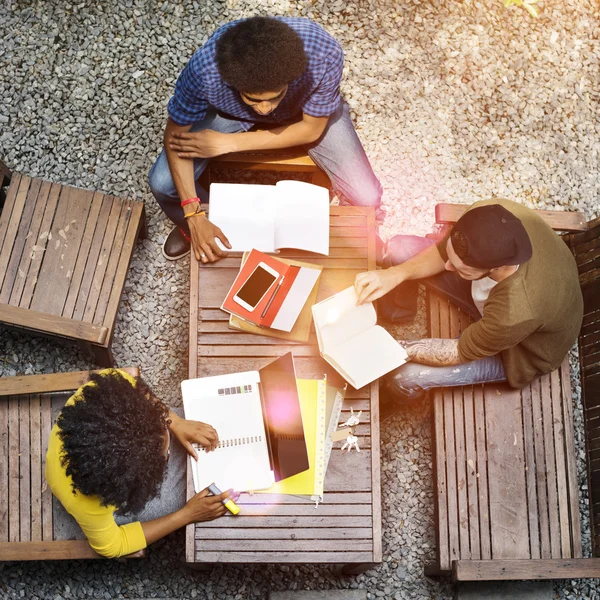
346,527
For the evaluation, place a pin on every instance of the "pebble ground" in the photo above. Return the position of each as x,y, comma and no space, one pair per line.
454,101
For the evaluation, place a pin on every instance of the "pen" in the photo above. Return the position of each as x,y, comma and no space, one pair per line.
230,505
271,298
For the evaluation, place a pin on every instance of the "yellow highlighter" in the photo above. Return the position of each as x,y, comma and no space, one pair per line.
230,505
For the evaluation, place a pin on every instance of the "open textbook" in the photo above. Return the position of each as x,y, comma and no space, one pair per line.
351,341
257,416
290,214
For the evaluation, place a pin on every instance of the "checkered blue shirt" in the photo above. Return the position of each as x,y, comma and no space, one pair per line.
316,92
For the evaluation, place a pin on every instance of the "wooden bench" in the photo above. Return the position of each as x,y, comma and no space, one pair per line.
29,406
64,256
506,490
289,159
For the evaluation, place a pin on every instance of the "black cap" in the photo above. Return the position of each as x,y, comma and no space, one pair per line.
494,237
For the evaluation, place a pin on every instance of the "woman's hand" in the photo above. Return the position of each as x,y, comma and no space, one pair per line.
203,507
372,285
193,432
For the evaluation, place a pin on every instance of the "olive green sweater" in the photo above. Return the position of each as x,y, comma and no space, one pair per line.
533,317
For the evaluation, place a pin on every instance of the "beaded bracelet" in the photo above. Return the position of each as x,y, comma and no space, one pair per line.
194,214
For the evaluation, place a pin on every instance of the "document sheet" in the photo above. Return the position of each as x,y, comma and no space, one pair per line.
231,404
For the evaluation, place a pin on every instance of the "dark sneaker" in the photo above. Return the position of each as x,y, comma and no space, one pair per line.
177,245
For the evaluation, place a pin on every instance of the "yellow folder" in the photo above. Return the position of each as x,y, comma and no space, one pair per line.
312,393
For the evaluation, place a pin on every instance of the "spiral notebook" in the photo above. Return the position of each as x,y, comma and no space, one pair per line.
258,419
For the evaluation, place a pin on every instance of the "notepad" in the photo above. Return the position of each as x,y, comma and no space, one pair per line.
241,461
257,416
351,341
290,214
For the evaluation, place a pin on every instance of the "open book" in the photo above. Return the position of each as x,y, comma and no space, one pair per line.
351,341
290,214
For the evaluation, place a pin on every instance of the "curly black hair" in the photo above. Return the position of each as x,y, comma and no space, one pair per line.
260,54
113,442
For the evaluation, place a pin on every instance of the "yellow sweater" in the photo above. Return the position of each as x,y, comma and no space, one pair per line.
97,521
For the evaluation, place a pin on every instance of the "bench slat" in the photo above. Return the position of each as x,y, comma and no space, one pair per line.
571,469
549,449
101,266
529,425
93,257
83,257
506,472
24,471
37,460
10,220
540,468
99,310
61,252
561,458
51,323
28,255
496,570
11,274
37,259
9,203
13,469
559,221
4,453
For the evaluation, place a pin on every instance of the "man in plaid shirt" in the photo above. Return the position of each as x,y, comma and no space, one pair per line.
280,73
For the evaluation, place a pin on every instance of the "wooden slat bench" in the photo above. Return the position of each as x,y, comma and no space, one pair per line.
28,408
64,256
506,491
289,159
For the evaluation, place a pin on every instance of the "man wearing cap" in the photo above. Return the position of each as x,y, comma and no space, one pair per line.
505,267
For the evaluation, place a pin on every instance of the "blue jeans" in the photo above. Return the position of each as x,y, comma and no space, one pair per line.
338,152
399,305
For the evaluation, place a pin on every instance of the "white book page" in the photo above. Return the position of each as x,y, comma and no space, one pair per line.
246,215
233,468
242,460
296,299
368,356
338,319
302,217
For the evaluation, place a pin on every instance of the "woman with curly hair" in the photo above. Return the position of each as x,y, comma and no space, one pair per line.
108,464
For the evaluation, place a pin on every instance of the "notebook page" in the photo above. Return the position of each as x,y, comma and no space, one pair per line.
368,356
338,319
231,404
246,215
302,217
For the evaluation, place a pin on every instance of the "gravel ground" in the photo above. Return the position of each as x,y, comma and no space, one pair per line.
454,101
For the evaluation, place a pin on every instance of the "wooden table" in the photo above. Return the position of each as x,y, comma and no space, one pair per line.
346,528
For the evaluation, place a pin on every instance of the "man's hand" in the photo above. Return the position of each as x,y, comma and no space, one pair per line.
372,285
203,234
194,432
201,144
